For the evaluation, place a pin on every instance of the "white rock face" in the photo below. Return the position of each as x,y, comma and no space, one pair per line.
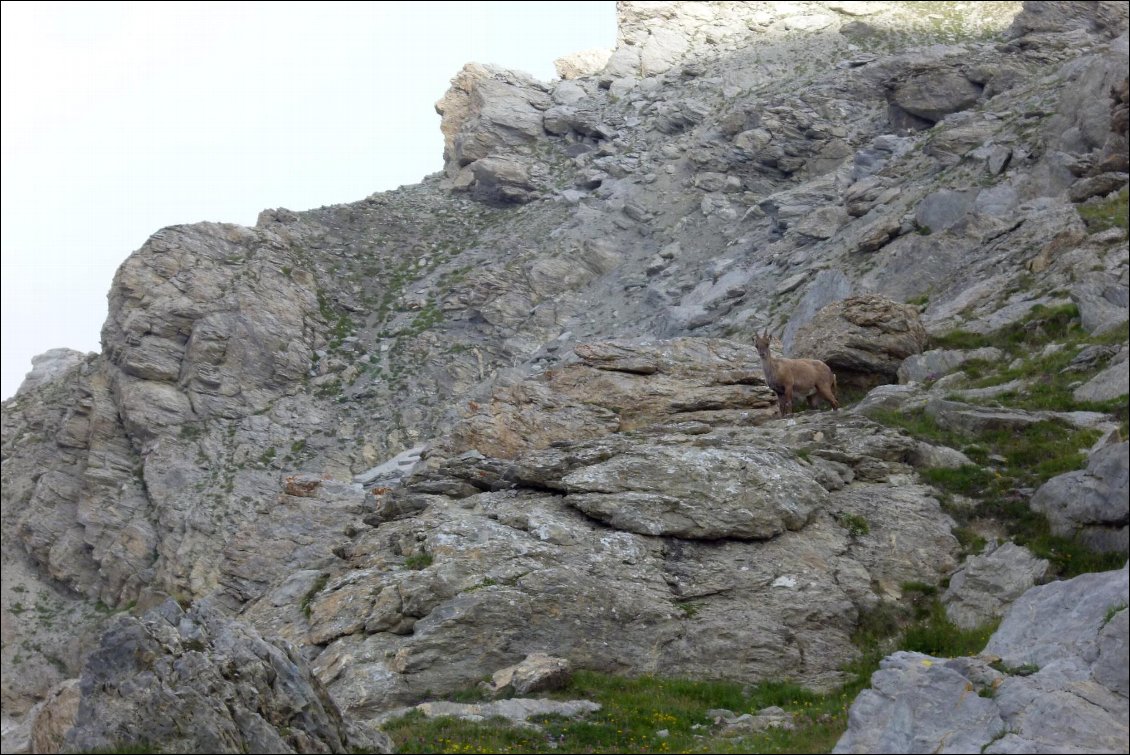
48,366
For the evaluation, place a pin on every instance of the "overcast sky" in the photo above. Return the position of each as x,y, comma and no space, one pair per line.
122,118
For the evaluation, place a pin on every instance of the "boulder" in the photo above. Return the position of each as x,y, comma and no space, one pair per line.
582,64
987,584
1110,383
891,398
918,703
517,711
537,673
934,93
489,110
1097,186
1102,303
54,716
198,681
505,180
933,364
1059,686
864,339
1091,504
691,493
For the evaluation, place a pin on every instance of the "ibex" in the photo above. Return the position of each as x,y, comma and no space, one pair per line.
796,377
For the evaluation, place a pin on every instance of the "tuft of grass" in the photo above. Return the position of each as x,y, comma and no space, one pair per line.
316,588
934,634
1106,213
690,610
1111,612
419,561
856,525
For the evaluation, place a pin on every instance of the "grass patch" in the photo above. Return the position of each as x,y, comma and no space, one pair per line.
633,711
1111,612
1043,325
419,561
856,525
1106,213
1023,461
316,588
934,634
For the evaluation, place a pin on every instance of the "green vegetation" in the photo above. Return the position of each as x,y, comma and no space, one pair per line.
1043,325
1016,461
1112,611
634,710
1106,213
690,610
1025,669
419,561
1010,464
316,588
856,525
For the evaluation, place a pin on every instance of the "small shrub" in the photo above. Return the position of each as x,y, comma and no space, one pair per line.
419,561
856,525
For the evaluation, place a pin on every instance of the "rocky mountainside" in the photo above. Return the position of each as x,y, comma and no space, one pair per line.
516,409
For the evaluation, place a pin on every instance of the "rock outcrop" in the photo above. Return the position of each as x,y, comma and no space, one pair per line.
1052,679
1092,504
514,409
864,339
197,681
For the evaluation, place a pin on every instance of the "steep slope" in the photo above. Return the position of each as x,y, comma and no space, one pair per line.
709,180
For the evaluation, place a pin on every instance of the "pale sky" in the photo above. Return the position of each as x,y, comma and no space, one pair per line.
121,118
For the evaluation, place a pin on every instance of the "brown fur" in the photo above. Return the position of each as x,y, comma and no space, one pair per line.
810,378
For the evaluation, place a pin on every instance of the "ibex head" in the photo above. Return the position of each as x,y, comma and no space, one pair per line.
761,343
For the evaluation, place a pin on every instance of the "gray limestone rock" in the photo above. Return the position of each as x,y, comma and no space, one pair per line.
249,373
897,398
536,673
1092,505
518,711
200,682
48,366
700,494
935,363
918,703
1112,382
1062,650
489,110
943,209
987,584
935,93
1102,304
863,339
